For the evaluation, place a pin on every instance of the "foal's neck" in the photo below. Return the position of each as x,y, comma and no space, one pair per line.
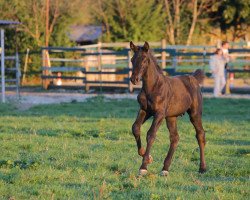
150,77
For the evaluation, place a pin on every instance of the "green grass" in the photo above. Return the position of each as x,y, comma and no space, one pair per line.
86,151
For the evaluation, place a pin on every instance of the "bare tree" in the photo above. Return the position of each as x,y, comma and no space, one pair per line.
101,10
174,16
198,8
35,27
32,13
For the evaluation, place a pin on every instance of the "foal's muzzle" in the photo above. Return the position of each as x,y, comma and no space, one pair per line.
134,79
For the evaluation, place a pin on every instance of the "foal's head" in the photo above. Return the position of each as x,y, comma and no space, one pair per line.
140,61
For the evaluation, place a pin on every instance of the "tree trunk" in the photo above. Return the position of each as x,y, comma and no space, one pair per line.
171,25
194,20
177,20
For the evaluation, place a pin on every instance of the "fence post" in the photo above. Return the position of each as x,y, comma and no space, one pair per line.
227,87
85,64
99,61
163,54
204,57
2,66
25,66
174,60
18,75
46,63
43,72
130,86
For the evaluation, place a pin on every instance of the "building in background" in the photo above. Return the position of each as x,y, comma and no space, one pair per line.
85,34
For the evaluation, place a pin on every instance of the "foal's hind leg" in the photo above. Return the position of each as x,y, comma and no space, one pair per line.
174,138
141,118
200,136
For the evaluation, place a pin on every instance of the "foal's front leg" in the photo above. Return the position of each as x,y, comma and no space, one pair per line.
150,139
141,118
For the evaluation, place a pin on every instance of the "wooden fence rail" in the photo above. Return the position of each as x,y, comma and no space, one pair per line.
175,60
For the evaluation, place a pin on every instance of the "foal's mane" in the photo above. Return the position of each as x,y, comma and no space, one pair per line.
155,62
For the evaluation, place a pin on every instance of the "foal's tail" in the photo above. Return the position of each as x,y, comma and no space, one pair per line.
199,75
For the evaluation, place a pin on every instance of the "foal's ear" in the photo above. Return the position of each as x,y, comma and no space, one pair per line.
146,46
133,47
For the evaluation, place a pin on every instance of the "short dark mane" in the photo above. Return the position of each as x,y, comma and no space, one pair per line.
151,54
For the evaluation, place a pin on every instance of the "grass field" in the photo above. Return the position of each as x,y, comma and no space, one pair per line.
86,151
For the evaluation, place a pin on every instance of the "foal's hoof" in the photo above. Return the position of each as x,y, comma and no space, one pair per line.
202,171
143,172
150,160
164,173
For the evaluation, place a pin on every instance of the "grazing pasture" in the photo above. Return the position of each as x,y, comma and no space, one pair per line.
87,151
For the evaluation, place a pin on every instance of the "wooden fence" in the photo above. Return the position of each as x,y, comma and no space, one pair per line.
108,65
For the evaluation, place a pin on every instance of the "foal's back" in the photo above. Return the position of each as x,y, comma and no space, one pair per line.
185,94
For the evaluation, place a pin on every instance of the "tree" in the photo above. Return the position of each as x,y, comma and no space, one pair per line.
130,20
182,17
31,31
233,17
31,14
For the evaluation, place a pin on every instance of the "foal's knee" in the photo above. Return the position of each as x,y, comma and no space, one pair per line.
136,129
150,138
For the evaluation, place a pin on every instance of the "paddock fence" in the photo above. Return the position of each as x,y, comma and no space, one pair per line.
11,73
108,64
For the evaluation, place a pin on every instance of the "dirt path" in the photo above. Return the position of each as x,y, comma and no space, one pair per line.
29,99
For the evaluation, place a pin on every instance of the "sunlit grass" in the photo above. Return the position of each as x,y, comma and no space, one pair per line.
86,151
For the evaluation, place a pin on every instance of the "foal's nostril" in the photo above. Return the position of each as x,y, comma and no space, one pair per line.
133,79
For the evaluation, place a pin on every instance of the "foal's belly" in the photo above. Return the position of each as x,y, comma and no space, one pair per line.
178,107
180,101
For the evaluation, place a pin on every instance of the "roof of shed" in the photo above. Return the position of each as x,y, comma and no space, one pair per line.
82,33
8,22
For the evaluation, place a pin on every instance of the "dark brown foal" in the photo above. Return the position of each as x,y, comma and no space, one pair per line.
163,97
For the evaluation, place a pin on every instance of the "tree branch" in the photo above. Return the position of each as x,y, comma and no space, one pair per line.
194,20
170,20
37,34
55,16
